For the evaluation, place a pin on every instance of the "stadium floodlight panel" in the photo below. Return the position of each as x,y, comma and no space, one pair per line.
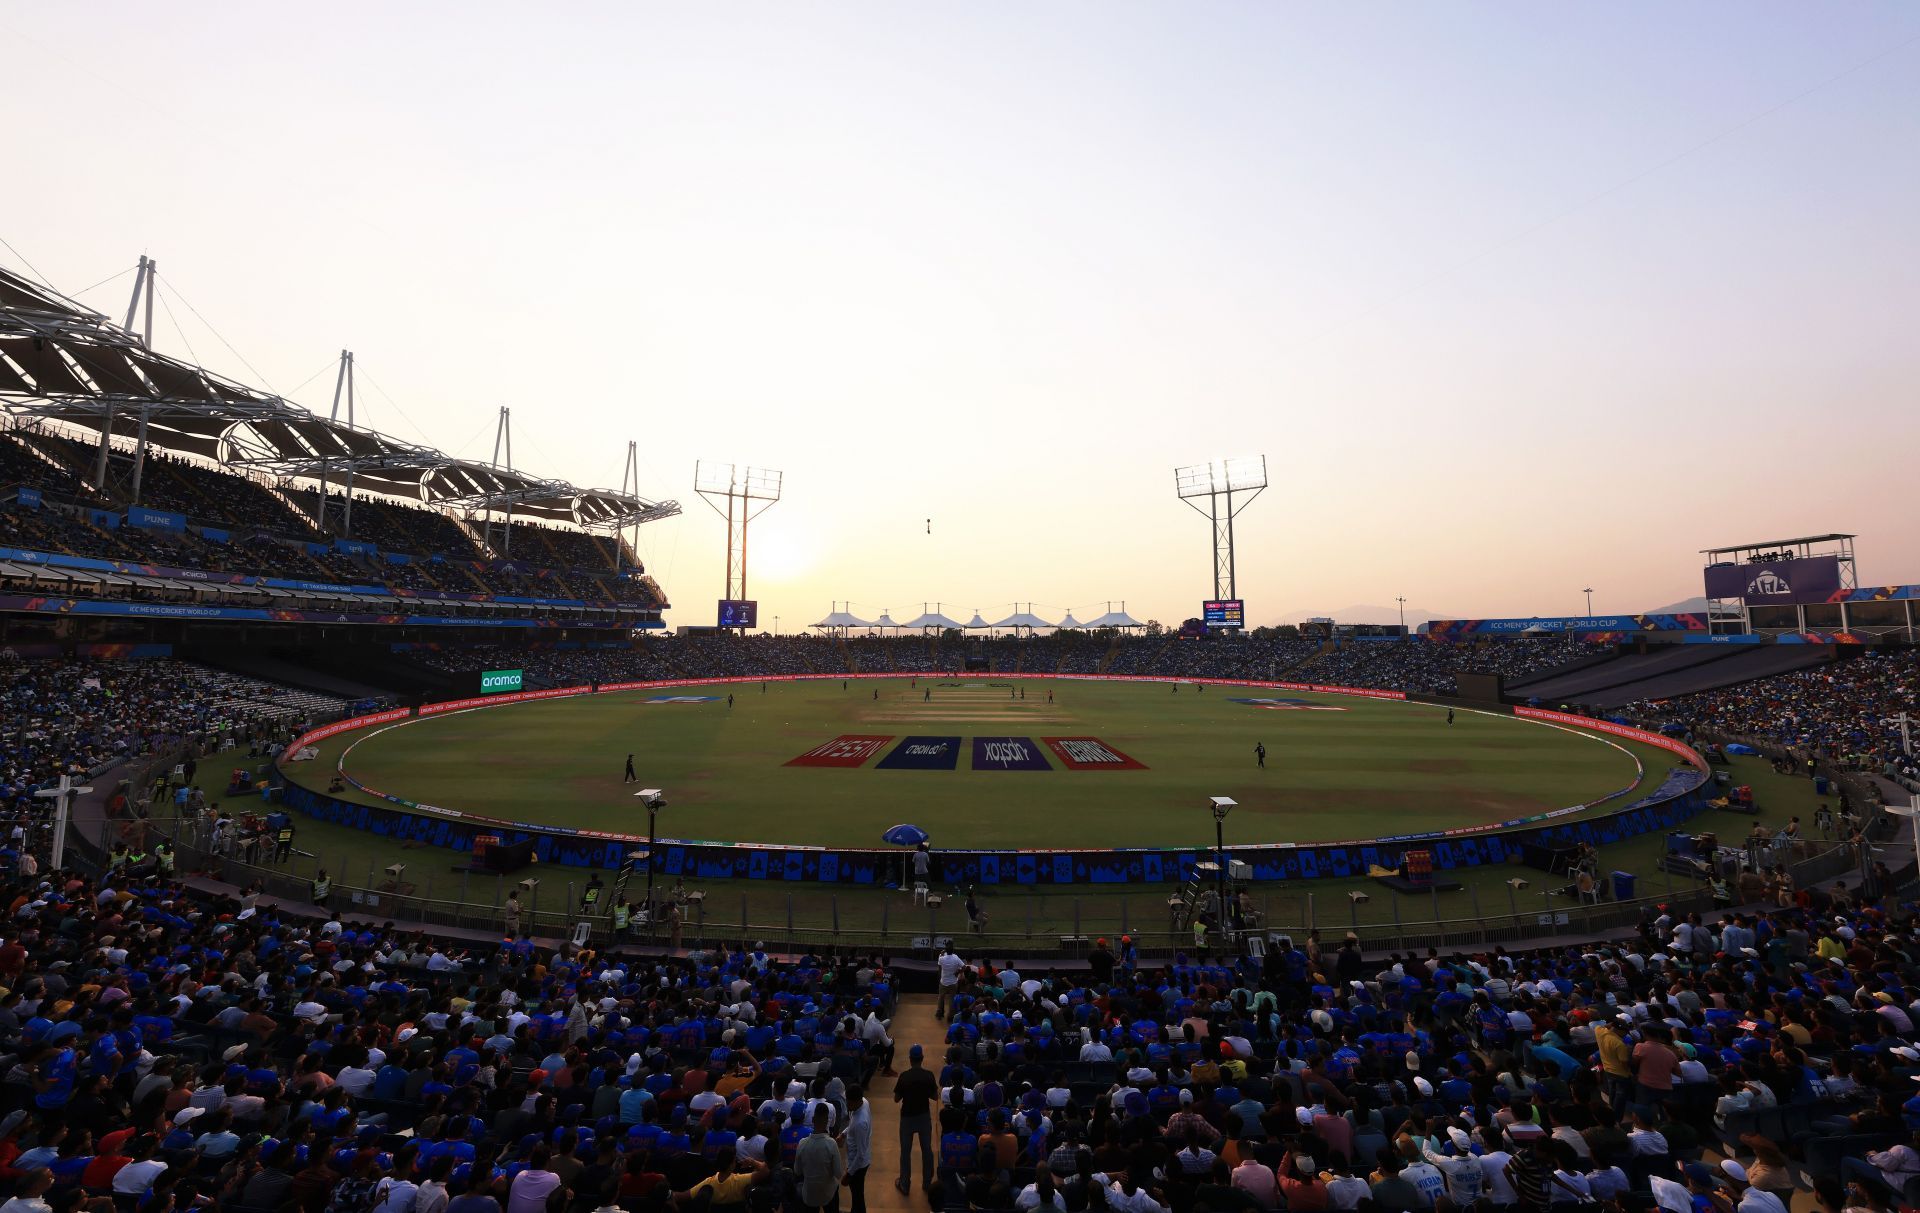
727,479
1238,474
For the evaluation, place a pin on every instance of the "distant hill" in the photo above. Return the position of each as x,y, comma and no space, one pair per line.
1362,613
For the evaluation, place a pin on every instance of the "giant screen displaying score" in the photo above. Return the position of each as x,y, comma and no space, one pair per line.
739,613
492,682
1226,613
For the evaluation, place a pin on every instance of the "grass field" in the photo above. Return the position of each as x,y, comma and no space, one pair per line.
1357,768
1040,911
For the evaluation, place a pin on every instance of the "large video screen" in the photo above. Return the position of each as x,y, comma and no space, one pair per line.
1776,582
1225,613
739,613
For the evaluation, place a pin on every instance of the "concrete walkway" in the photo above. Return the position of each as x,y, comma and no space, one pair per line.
913,1023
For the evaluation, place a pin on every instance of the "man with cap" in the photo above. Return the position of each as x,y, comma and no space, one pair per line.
916,1091
1734,1177
1460,1169
1100,961
1616,1057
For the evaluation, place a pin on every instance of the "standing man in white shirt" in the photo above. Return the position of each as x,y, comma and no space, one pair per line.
857,1137
950,966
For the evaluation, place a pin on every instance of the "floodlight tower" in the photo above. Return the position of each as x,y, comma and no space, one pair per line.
1218,481
740,488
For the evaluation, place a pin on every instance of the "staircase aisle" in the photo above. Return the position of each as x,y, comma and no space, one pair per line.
913,1023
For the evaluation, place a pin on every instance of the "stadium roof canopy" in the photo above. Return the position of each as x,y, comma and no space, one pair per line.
1023,619
843,619
931,619
885,621
1070,622
976,622
62,361
1116,619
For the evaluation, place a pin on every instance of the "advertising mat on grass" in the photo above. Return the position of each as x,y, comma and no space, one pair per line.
922,754
846,750
1008,754
1090,754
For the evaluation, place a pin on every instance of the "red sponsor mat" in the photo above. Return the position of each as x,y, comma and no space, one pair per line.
1090,754
846,750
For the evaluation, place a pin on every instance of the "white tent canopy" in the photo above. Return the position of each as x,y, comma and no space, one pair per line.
885,621
931,619
976,622
1116,619
1023,619
839,617
1070,622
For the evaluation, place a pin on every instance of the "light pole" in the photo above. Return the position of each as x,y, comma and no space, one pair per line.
1221,806
1589,593
655,800
1402,600
1911,812
62,796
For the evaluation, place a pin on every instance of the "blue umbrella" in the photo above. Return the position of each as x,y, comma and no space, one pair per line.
905,836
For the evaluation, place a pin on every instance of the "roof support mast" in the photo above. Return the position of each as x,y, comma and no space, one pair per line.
142,285
502,436
146,339
342,384
630,483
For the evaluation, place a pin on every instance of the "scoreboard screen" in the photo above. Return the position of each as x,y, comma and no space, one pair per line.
1225,613
739,613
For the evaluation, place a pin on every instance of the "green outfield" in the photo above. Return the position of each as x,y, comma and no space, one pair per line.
1337,767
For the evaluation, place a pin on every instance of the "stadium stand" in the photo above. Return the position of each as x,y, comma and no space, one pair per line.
1675,670
177,1043
236,524
1844,712
1426,667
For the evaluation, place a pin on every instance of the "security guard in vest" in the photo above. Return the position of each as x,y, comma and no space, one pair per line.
590,900
163,860
621,917
283,843
322,886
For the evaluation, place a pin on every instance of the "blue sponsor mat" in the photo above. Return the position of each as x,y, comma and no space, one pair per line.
1008,754
922,754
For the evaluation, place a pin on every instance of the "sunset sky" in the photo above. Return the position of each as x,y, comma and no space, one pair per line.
1515,299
